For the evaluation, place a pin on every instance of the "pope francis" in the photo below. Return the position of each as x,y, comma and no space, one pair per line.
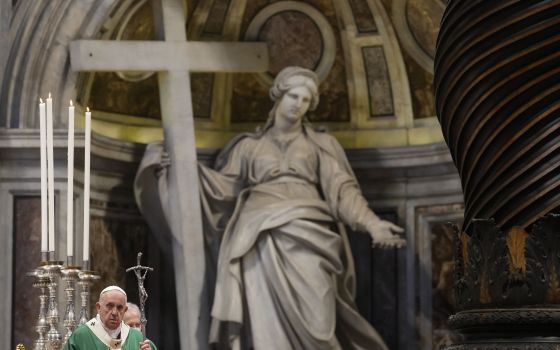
107,330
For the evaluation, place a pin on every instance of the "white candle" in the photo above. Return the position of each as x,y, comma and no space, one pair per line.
86,185
50,173
70,202
43,145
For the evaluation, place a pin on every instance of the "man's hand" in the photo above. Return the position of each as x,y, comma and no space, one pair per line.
145,345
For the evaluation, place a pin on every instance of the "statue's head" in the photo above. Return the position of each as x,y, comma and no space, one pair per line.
291,77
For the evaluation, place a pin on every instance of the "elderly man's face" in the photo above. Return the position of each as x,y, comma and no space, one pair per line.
111,308
132,318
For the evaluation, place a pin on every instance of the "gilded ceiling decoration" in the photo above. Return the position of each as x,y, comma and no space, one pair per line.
126,93
371,91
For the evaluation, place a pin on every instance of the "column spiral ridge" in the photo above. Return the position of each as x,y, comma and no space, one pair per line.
497,87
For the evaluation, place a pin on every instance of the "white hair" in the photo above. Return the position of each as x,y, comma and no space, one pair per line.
133,307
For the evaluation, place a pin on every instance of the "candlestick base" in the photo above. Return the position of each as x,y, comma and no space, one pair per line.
41,327
70,274
52,270
86,280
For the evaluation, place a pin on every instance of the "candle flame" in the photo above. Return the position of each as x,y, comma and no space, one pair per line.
40,100
71,103
87,109
49,95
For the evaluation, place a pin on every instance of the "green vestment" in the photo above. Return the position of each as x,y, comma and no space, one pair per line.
84,339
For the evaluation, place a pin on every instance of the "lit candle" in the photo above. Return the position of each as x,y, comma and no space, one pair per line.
86,185
70,202
43,145
50,174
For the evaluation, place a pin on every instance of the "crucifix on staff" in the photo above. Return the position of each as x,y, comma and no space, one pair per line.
140,272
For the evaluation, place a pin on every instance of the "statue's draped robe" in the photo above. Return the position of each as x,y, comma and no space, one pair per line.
83,338
285,275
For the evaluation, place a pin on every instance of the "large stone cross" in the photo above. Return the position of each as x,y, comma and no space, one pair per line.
173,58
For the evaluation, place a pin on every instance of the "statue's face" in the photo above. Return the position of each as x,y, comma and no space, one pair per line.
111,308
295,103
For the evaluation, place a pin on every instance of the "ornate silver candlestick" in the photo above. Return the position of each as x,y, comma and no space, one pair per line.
52,270
41,282
86,280
70,274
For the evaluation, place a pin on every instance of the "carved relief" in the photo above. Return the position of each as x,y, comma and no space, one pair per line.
543,250
463,289
506,269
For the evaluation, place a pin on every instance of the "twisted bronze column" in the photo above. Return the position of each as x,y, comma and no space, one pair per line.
497,86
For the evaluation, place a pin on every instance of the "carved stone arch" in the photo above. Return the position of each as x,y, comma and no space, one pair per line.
39,57
372,56
418,37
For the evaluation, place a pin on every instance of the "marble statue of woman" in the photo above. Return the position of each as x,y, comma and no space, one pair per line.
278,200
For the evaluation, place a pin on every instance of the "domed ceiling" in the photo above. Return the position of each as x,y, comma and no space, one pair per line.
374,59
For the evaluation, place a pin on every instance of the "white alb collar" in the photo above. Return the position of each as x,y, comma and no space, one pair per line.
112,333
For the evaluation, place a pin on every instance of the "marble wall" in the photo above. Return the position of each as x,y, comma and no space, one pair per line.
443,300
27,247
378,283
